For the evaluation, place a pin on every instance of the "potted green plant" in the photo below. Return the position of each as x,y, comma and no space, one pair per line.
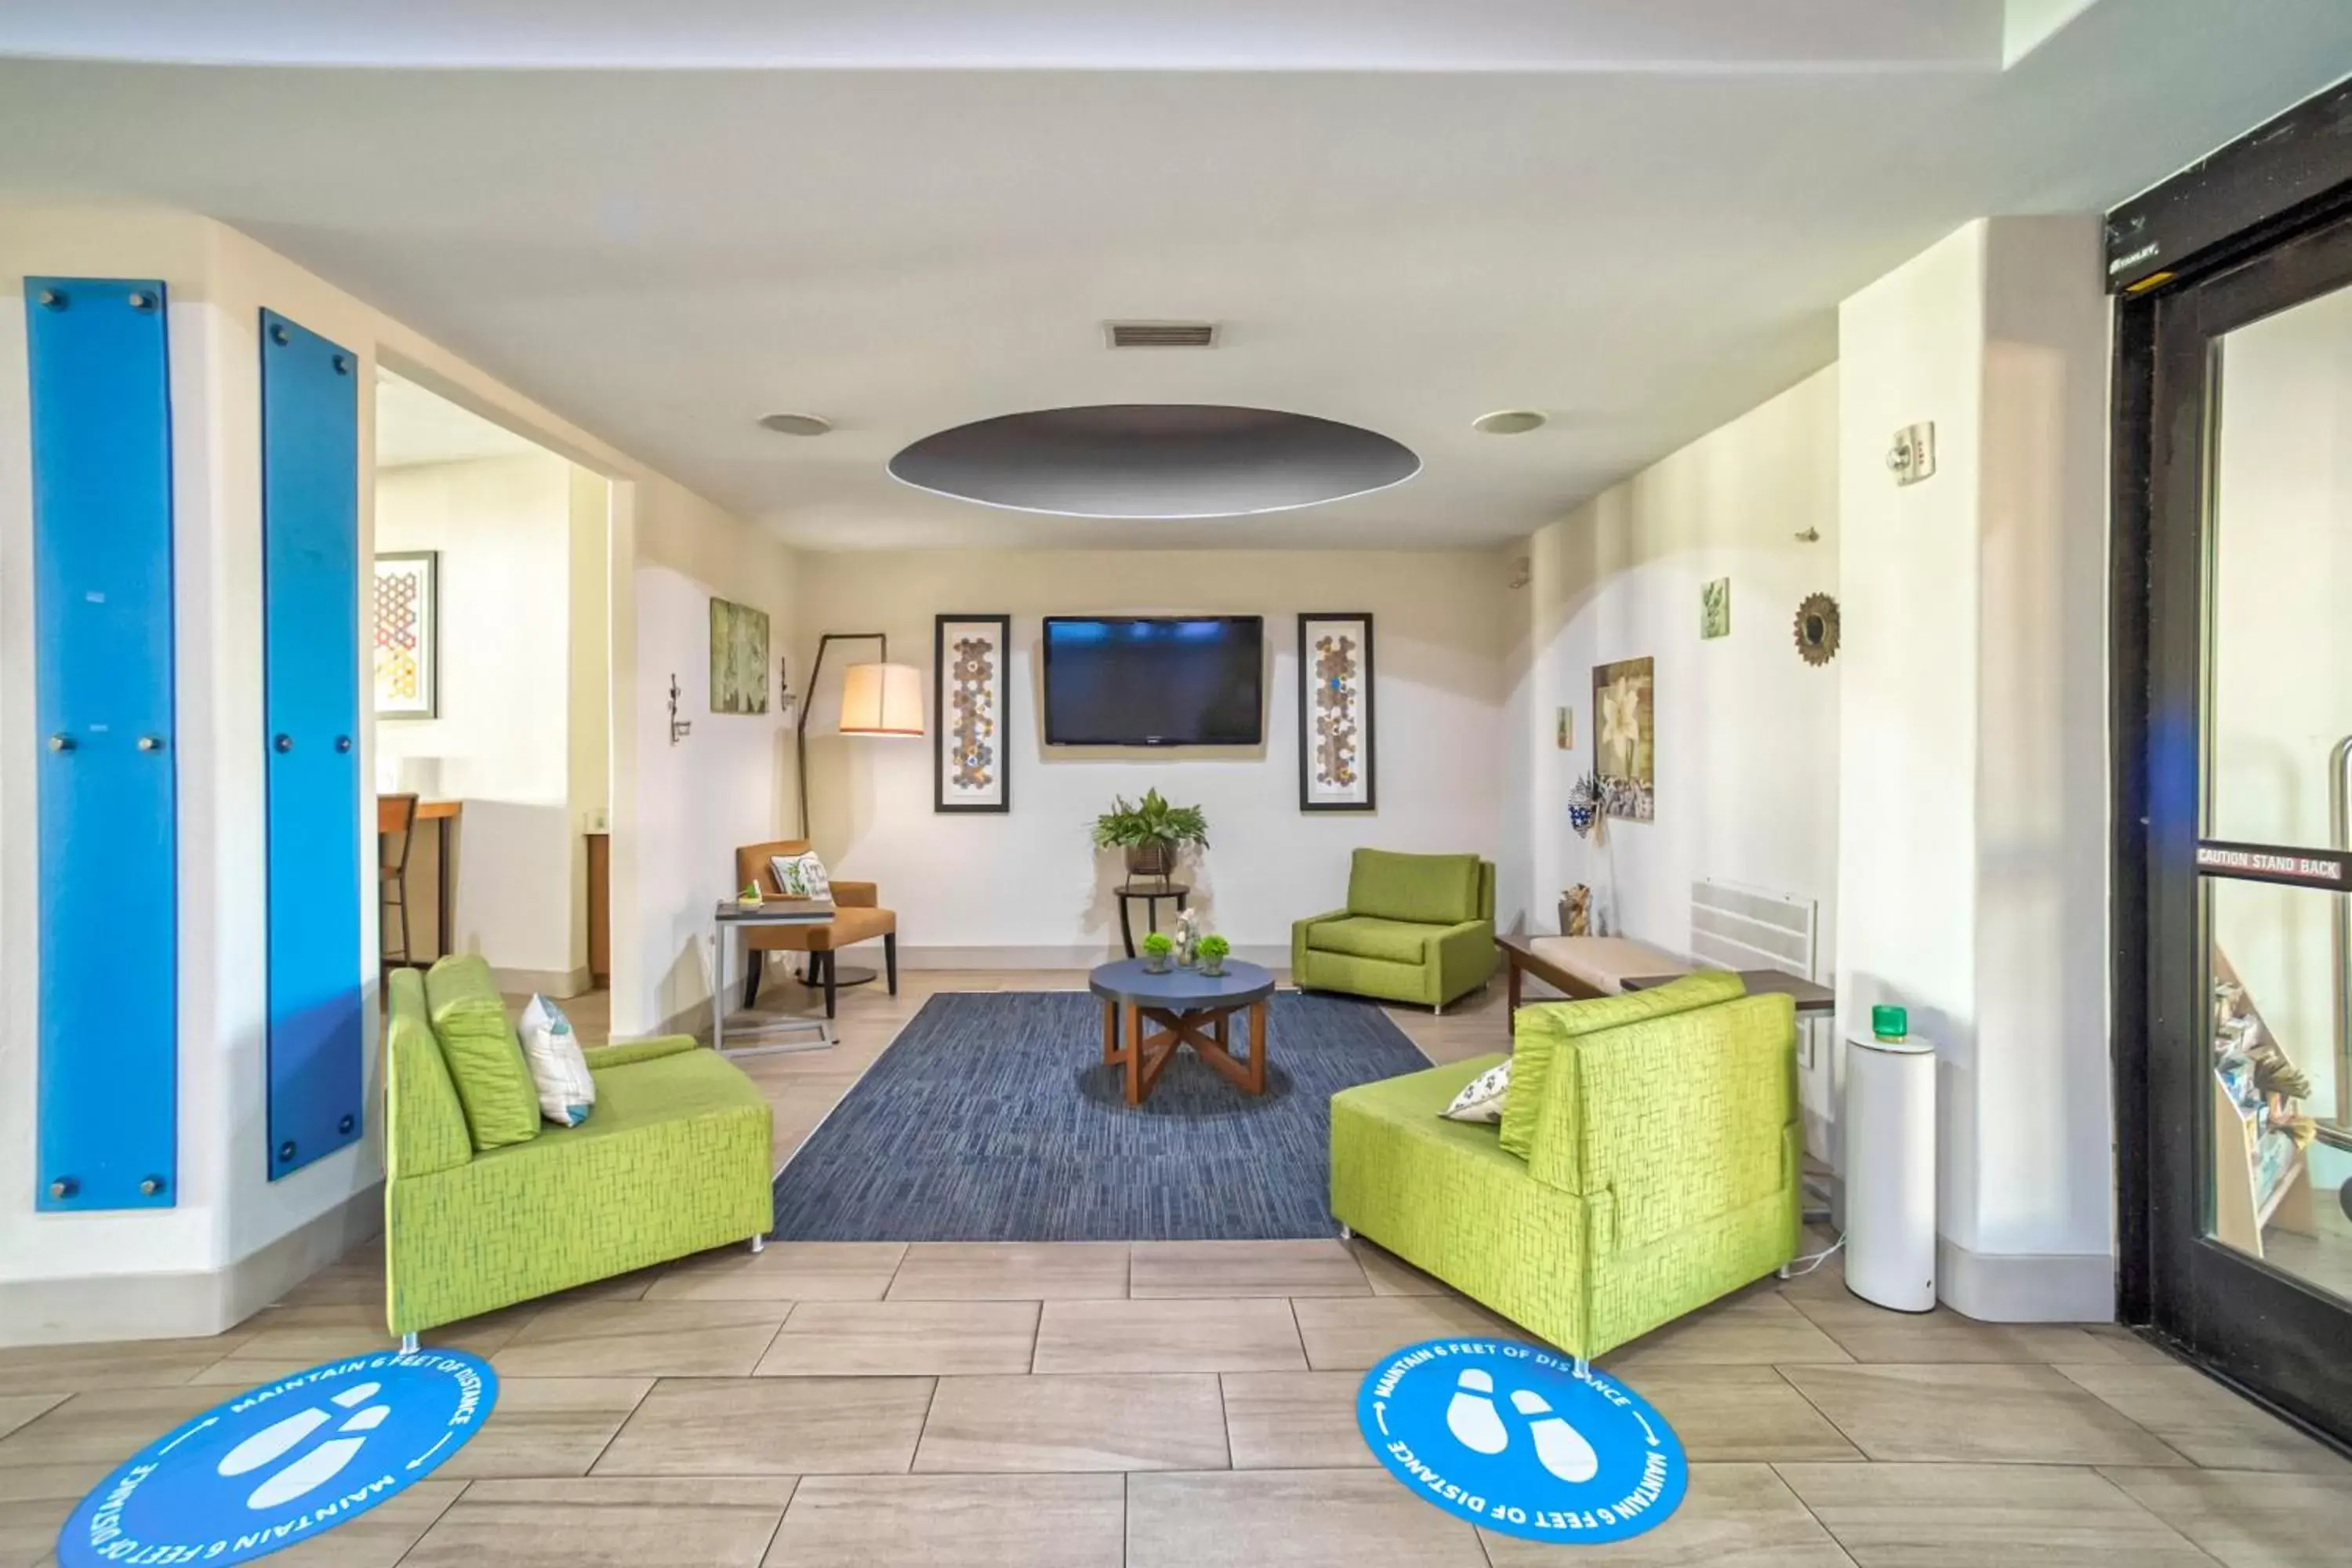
1213,951
1156,948
1152,831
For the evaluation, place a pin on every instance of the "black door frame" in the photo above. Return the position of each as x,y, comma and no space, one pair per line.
2271,1335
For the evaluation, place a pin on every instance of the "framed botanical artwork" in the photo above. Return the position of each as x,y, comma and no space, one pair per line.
738,658
1715,609
407,633
1625,737
1335,712
970,767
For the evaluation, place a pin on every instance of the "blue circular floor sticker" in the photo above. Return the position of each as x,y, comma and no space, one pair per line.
285,1462
1513,1437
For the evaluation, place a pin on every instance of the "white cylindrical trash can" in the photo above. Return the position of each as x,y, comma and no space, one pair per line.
1890,1166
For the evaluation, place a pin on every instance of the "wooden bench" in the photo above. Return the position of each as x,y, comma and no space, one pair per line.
1583,966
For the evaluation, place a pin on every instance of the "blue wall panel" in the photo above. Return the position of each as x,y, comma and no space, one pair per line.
109,989
311,542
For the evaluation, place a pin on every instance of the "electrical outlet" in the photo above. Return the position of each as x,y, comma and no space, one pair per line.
1912,458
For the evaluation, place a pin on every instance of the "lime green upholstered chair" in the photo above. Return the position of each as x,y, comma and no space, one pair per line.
673,1160
1417,928
1661,1168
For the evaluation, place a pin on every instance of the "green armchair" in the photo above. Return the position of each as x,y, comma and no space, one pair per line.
1417,928
673,1160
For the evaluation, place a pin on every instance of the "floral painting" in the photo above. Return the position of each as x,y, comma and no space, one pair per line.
970,765
738,658
1625,737
1335,712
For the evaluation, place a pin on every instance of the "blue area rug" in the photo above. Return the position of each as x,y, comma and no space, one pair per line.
993,1117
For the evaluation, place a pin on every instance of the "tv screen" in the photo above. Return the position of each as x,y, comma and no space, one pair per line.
1157,680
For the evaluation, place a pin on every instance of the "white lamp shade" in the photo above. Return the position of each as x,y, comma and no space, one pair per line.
882,699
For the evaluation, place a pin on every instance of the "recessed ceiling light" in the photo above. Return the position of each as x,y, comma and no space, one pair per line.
796,424
1509,422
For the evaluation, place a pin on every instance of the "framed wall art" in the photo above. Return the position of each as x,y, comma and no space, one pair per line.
970,769
738,658
1625,737
1335,712
407,633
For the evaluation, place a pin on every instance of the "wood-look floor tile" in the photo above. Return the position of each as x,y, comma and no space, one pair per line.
785,1271
2126,1345
1975,1414
2247,1518
1868,1332
2207,1423
1740,1413
128,1363
1233,1268
1342,1333
35,1502
105,1428
1289,1518
1732,1514
1756,1328
16,1409
1253,1335
544,1427
953,1521
772,1427
643,1338
600,1523
1391,1275
282,1341
1295,1421
1984,1516
1012,1271
892,1338
382,1536
1139,1421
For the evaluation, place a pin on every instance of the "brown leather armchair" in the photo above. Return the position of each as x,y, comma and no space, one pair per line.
857,917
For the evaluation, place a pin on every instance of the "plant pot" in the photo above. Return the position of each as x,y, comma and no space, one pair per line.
1155,963
1213,967
1150,861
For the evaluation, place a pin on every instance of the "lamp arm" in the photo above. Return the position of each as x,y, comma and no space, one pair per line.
800,729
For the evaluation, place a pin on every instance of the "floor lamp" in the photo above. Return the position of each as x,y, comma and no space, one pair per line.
879,701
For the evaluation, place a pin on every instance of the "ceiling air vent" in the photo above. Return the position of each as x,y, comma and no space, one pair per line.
1161,334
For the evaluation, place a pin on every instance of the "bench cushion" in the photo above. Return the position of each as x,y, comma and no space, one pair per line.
1604,963
1364,936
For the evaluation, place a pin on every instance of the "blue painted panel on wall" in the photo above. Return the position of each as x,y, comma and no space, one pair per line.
309,524
109,990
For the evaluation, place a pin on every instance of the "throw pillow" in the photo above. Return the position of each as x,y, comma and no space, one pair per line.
566,1091
484,1057
1482,1098
801,876
1538,1030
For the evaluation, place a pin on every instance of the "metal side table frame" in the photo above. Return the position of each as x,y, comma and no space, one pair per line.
777,913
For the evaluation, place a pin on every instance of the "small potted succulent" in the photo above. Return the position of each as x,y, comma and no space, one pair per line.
750,898
1213,951
1156,948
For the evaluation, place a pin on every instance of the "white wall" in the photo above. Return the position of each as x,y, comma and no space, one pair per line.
1029,887
502,741
1747,731
1973,742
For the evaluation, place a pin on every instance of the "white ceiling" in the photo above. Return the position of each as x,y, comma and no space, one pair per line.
415,426
1636,215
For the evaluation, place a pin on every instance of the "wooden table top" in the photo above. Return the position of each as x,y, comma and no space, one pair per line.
387,812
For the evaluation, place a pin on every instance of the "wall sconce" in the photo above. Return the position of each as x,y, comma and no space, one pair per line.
786,703
679,728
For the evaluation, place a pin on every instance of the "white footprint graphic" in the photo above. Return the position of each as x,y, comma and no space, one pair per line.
314,1468
1561,1446
1472,1418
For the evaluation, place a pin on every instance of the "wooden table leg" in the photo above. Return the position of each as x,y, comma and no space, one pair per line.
445,895
1134,1054
1257,1048
1511,1002
1111,1032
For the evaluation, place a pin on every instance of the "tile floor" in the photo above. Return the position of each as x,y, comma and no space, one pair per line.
1190,1405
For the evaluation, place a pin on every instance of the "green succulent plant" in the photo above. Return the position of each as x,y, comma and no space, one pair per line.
1158,944
1214,947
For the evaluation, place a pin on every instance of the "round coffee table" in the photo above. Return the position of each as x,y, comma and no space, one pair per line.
1188,1008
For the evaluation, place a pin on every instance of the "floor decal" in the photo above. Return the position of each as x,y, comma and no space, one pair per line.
1512,1437
284,1462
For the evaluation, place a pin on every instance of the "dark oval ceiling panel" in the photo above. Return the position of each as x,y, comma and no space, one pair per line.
1154,460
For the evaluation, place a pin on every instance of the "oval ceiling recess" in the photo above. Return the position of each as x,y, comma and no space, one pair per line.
1162,460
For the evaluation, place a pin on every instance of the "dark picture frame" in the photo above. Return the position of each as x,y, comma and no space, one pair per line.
988,693
1321,793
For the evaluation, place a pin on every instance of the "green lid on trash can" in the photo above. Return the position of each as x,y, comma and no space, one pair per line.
1889,1023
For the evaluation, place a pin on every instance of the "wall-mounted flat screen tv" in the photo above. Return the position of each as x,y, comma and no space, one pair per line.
1155,680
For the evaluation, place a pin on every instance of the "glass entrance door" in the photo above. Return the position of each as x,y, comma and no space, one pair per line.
2250,825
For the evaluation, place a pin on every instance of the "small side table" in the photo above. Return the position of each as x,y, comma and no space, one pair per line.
1151,892
774,913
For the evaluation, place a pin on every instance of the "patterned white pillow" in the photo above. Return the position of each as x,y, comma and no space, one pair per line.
801,876
567,1091
1482,1098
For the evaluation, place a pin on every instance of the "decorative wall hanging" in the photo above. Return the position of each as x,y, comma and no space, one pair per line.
1715,609
1576,912
1624,736
1584,802
408,628
739,658
1817,629
1335,712
969,768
